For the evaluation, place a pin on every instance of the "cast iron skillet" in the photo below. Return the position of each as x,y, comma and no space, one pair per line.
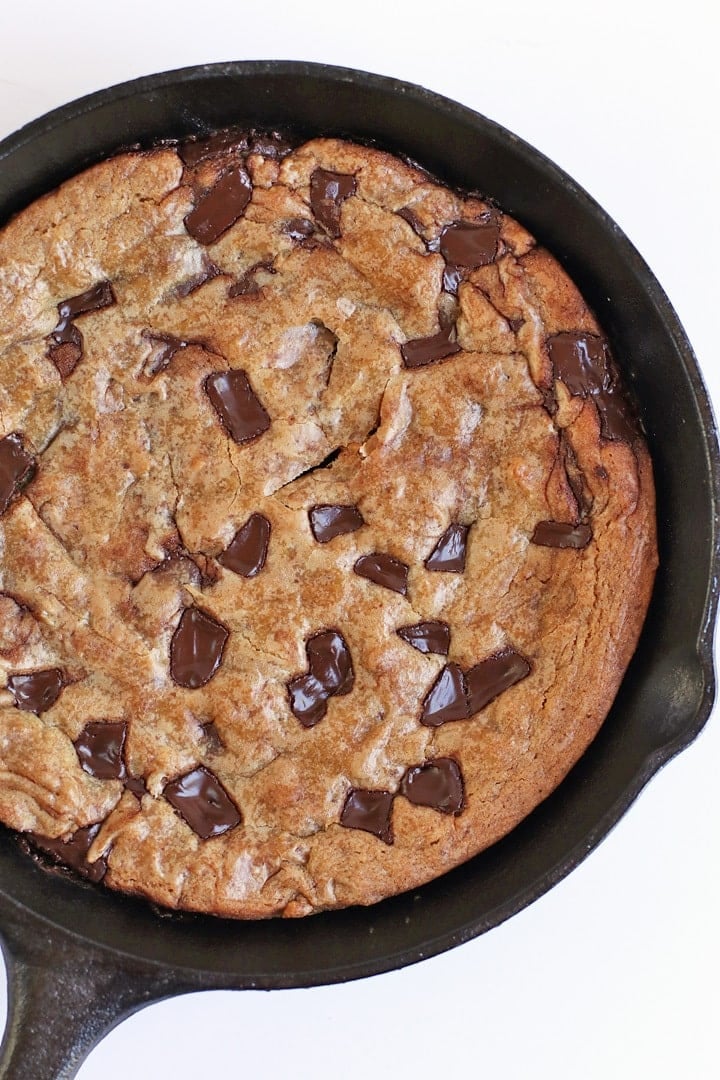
79,960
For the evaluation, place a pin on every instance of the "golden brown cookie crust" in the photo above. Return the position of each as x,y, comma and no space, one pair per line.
140,489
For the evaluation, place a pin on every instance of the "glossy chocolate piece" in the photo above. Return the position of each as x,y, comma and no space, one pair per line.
491,677
193,151
247,551
16,468
560,534
36,691
328,191
72,853
308,699
449,552
370,811
584,364
470,245
299,229
220,208
437,784
412,219
212,737
427,637
241,412
446,700
99,748
203,803
329,661
247,284
423,351
328,521
383,569
66,341
452,276
137,785
196,649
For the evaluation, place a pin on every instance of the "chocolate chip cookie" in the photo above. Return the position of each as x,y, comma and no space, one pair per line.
326,528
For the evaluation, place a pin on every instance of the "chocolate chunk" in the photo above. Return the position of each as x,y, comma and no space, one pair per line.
584,364
329,661
202,802
208,273
370,811
383,570
66,341
299,229
423,351
72,853
470,245
167,346
412,219
241,412
328,191
515,324
452,276
427,637
194,151
196,649
16,468
437,784
447,698
268,144
212,737
36,691
560,534
99,749
329,521
308,699
220,208
491,677
247,285
137,785
449,552
247,551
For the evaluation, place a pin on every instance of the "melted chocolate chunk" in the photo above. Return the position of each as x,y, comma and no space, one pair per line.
427,637
66,341
584,364
247,551
329,661
72,853
437,784
470,245
137,785
247,285
412,219
449,552
560,534
241,412
36,691
329,521
208,273
194,151
423,351
383,570
328,191
203,803
308,699
447,698
167,346
370,811
220,208
493,676
16,468
452,276
299,229
100,747
196,649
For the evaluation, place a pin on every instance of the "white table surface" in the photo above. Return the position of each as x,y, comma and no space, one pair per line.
613,975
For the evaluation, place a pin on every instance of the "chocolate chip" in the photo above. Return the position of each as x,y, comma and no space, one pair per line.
329,521
16,468
383,570
202,802
369,811
423,351
330,672
99,749
560,534
72,853
427,637
241,412
299,229
328,191
36,691
247,551
196,649
447,698
493,676
449,552
66,341
584,364
470,245
437,784
515,324
220,208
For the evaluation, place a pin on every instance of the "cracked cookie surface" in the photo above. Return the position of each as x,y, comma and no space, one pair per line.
326,530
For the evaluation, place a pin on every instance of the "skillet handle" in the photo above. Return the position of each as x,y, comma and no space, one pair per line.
59,1010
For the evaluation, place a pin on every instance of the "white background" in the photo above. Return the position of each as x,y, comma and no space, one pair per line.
615,973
